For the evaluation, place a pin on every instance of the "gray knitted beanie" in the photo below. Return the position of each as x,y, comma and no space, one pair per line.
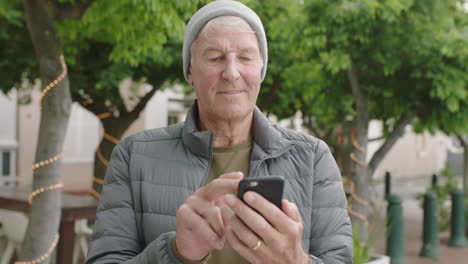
223,8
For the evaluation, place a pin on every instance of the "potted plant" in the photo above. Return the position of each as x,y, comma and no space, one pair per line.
363,252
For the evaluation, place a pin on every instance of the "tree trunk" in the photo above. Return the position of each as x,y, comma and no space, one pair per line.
359,207
44,214
114,127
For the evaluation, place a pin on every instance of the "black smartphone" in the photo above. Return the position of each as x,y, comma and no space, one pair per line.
270,187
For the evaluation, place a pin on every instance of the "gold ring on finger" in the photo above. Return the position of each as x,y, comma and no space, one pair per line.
259,243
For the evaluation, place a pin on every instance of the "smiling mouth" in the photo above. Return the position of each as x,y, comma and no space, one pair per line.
231,92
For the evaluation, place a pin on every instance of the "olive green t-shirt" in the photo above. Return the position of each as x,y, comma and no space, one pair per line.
226,159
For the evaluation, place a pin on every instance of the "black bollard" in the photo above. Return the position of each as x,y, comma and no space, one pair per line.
435,180
457,221
431,243
395,238
388,183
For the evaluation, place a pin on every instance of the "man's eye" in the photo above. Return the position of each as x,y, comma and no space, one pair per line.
214,59
245,59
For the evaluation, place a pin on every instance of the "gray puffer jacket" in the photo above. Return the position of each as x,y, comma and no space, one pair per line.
151,174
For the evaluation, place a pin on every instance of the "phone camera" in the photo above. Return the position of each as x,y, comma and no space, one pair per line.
253,184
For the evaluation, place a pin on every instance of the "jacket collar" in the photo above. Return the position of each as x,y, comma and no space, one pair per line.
268,141
198,142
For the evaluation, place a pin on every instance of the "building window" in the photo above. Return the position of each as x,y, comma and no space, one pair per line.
172,119
6,162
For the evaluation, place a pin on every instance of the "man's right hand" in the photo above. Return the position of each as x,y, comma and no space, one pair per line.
200,227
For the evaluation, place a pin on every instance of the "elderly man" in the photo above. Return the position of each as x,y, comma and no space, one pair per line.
169,194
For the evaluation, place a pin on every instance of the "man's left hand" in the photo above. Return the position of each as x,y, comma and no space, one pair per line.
266,234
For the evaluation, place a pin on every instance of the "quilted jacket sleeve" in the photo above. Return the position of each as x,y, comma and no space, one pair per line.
115,237
331,234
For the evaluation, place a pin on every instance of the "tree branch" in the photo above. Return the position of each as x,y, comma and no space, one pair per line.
97,106
329,133
463,141
356,90
143,101
375,139
397,132
271,96
312,128
308,119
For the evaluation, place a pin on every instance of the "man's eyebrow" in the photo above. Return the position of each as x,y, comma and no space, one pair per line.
210,49
247,50
242,50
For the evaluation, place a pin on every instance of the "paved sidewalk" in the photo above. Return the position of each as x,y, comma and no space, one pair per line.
413,225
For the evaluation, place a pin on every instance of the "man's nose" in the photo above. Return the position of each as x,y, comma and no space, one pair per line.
231,71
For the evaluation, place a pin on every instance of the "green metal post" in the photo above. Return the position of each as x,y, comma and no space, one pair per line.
388,182
395,241
457,222
431,243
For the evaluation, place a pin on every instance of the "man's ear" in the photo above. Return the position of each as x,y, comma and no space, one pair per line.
190,79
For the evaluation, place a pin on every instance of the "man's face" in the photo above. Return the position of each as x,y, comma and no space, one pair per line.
226,74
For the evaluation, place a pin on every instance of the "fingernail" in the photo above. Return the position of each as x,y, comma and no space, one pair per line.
249,197
231,200
241,173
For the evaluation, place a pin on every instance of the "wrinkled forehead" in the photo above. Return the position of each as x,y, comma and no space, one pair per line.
221,28
228,41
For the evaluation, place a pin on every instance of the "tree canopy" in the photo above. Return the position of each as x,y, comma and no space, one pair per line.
103,41
346,62
410,57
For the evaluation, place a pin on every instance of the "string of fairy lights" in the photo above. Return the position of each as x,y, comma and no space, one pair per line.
57,157
43,189
45,256
47,162
353,194
99,154
54,82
